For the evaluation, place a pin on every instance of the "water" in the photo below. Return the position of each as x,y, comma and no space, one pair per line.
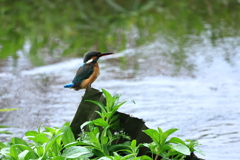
203,104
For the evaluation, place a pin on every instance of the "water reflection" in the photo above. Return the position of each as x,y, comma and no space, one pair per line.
203,102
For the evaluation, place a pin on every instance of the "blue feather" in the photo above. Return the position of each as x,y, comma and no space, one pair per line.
70,85
82,65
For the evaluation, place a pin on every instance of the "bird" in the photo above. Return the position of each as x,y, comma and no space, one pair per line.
88,72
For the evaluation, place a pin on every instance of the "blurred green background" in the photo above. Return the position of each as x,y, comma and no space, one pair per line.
60,28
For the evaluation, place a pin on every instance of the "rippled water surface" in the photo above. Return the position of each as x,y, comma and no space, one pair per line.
203,104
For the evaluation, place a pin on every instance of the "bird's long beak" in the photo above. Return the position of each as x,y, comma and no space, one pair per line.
104,54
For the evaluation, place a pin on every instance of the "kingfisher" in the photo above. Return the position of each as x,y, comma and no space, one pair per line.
88,72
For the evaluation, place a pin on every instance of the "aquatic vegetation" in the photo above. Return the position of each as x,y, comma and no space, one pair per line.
96,141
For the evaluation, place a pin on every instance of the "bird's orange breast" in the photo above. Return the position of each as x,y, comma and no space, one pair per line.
92,78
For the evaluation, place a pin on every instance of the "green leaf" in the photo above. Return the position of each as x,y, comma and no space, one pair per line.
113,118
159,130
133,101
181,148
5,126
5,132
24,155
100,122
118,106
116,99
146,145
67,124
40,150
94,139
109,114
134,143
14,151
146,158
2,145
100,114
5,151
153,134
40,138
56,147
75,152
75,144
95,131
192,144
98,152
59,158
23,148
85,123
67,136
104,140
128,156
31,133
39,129
8,109
176,140
164,148
100,104
105,149
166,134
199,151
16,140
109,135
109,99
52,141
50,130
118,147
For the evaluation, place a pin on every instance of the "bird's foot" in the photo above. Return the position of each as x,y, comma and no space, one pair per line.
88,86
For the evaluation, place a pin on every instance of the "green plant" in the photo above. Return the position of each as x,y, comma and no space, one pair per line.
51,143
98,140
131,152
101,139
192,144
174,148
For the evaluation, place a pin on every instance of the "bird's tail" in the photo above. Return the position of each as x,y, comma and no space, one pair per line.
70,85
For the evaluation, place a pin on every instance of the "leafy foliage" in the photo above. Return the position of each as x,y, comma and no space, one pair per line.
49,27
51,143
174,148
96,141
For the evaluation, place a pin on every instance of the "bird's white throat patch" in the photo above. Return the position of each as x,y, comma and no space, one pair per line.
89,61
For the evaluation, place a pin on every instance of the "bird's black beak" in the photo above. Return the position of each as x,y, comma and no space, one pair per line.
104,54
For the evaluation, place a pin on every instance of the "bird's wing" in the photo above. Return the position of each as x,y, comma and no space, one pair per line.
84,72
